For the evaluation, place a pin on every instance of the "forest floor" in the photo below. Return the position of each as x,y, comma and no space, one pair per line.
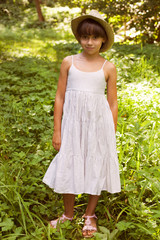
30,57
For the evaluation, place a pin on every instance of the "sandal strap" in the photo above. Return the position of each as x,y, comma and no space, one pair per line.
88,217
89,228
65,217
53,223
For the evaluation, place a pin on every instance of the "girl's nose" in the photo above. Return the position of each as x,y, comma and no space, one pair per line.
89,40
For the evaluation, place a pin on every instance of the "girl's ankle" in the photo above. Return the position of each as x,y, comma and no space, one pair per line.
89,213
69,215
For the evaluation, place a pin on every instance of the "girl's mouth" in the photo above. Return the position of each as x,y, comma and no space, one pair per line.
90,48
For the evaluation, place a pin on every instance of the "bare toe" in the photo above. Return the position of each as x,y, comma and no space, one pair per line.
84,233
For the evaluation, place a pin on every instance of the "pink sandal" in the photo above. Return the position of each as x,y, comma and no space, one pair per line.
61,219
88,226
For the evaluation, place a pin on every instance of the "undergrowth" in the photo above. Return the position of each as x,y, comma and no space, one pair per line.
29,71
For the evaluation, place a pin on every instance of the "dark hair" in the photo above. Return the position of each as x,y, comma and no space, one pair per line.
91,27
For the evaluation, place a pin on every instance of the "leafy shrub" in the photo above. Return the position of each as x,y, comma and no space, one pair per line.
29,70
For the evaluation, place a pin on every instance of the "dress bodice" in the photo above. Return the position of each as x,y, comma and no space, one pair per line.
86,81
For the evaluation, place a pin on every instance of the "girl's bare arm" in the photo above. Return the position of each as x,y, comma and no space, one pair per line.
112,91
59,101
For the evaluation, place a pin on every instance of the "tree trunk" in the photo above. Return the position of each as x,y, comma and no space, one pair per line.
83,10
38,7
125,28
158,34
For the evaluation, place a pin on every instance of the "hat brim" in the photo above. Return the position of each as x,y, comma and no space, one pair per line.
108,29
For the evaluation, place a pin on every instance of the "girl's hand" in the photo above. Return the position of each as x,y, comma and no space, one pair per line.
59,101
56,140
111,76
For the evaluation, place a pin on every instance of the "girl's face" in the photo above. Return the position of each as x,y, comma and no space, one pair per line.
91,44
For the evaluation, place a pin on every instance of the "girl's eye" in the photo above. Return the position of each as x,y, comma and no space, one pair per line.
84,37
95,37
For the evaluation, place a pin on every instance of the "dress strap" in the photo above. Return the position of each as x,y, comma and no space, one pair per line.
72,59
104,64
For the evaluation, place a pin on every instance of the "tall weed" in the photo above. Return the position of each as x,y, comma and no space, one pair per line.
29,71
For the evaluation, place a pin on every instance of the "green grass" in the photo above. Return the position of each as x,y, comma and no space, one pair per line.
30,61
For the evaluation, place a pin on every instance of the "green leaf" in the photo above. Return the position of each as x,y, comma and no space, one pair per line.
101,236
104,230
113,234
7,224
124,225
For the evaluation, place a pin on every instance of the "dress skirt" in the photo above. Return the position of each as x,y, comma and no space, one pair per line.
87,161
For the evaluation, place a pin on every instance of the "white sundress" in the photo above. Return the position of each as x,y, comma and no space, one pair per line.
87,160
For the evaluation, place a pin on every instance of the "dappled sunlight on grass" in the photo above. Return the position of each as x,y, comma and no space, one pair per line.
60,12
142,92
30,55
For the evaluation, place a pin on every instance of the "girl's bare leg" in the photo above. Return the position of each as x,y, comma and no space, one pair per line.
68,200
92,203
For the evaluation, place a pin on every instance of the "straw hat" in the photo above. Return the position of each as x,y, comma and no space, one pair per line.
95,15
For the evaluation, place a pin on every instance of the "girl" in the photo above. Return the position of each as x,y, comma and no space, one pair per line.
87,158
